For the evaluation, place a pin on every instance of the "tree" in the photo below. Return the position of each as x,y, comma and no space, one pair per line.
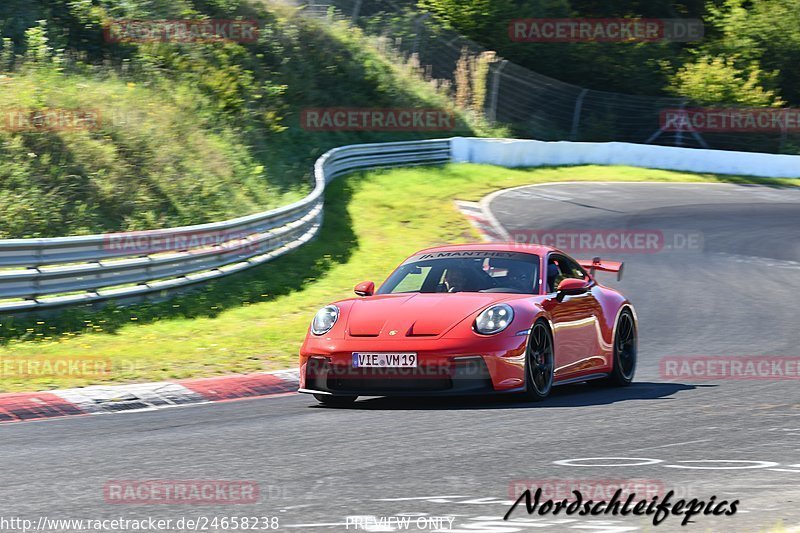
718,80
760,32
483,21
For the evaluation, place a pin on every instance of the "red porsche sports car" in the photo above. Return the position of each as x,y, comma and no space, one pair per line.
473,319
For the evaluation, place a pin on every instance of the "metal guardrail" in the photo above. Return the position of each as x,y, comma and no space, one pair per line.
82,269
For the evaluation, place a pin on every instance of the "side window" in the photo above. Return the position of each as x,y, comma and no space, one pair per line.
573,269
560,268
554,276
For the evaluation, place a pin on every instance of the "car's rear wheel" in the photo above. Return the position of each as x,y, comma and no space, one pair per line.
335,401
625,350
539,363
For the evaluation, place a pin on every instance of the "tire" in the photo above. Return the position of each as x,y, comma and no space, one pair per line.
625,351
335,401
539,363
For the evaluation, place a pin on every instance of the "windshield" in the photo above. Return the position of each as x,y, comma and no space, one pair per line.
466,271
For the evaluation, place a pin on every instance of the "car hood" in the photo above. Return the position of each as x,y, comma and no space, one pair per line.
414,315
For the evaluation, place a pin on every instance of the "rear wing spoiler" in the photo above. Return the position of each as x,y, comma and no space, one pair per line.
603,266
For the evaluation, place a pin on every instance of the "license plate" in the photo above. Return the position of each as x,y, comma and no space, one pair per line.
384,360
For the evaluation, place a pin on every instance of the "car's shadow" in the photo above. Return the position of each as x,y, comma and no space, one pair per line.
578,395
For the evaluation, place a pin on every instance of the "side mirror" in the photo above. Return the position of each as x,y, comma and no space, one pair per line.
367,288
573,286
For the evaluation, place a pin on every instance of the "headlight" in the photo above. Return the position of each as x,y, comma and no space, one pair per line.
324,320
494,319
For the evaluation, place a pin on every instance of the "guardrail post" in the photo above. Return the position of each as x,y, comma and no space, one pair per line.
491,115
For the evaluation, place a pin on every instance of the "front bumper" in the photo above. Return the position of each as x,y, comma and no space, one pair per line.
446,367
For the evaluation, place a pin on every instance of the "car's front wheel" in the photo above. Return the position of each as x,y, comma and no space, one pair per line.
625,348
335,401
539,363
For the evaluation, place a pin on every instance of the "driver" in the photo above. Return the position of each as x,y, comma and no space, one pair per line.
519,276
456,279
522,277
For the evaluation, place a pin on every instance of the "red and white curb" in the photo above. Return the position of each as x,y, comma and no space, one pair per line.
483,220
99,399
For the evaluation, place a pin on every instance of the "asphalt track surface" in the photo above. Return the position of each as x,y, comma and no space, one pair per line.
735,295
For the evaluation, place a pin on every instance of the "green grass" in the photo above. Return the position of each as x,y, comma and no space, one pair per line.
188,133
256,320
154,161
